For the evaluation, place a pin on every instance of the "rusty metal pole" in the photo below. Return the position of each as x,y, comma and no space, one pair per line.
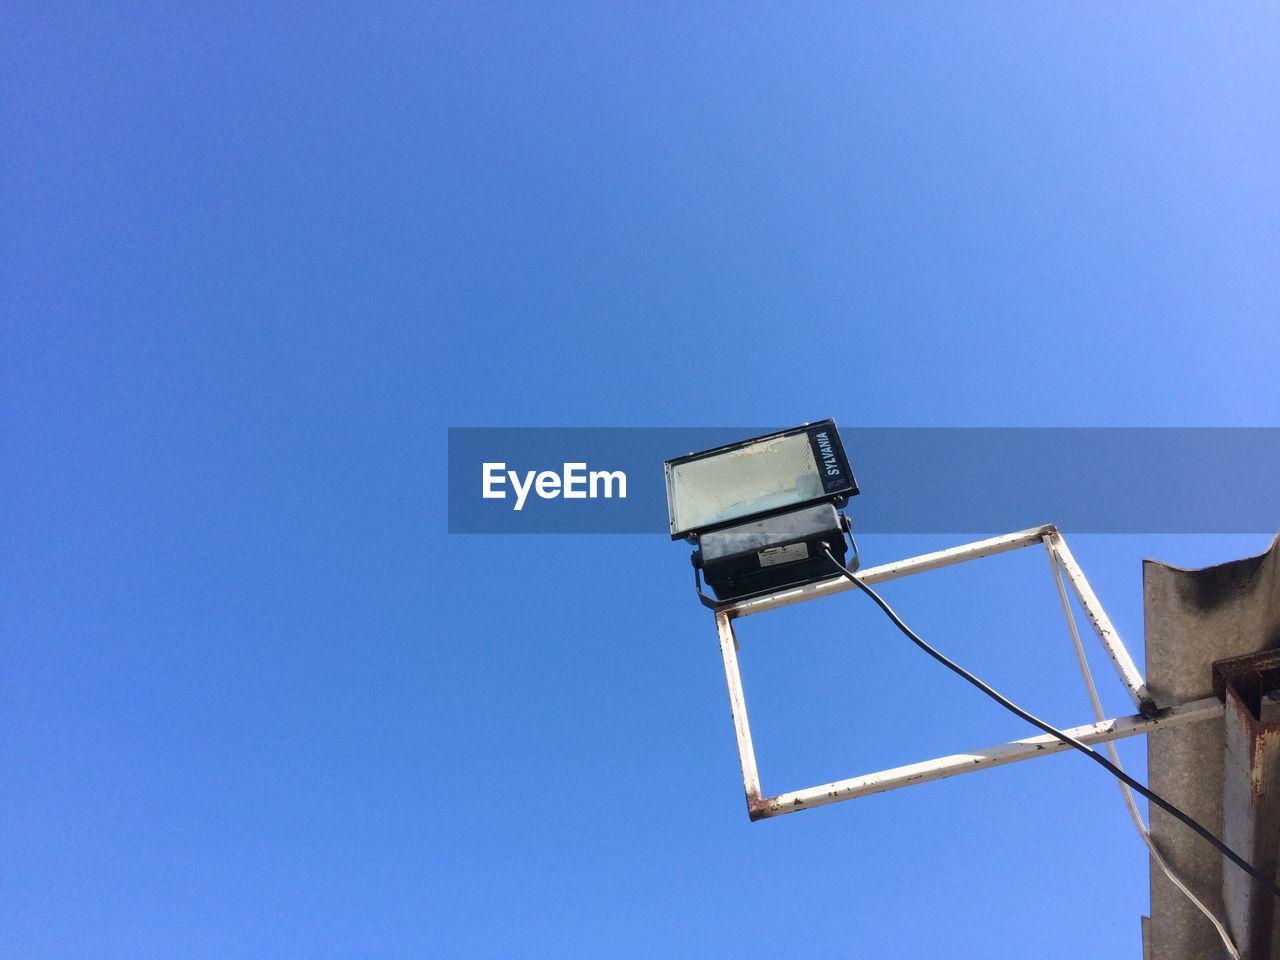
1250,688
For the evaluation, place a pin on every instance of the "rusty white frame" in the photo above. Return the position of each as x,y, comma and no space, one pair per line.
1148,717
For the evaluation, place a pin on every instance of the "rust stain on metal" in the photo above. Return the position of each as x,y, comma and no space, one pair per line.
1253,676
1251,787
1262,739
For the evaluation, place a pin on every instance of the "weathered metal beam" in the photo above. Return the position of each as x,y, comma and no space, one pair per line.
1251,795
738,710
1120,659
891,571
943,767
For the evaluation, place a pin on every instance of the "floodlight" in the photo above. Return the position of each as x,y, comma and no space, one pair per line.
761,510
763,513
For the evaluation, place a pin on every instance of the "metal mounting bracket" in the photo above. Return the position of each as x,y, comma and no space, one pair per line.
1148,717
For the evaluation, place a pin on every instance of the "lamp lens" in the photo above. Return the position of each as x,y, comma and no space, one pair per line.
763,476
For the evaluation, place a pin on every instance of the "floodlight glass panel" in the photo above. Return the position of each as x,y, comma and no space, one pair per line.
765,475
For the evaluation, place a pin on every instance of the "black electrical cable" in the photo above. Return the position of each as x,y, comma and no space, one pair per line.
1049,728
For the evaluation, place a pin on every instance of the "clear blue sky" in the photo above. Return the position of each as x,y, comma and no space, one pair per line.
255,702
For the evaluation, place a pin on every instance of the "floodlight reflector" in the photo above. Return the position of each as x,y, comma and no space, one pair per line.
779,471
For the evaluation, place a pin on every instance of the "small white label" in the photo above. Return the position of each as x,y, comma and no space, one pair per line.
772,556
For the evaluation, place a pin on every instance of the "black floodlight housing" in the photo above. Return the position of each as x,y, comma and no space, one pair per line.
761,510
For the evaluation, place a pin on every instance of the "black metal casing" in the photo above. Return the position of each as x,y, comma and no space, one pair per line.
770,553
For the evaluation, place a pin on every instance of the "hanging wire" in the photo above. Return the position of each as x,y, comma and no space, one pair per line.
1064,737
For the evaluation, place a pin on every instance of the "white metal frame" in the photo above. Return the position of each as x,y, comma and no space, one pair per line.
1147,719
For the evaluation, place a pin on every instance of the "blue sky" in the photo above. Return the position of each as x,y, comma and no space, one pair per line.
256,702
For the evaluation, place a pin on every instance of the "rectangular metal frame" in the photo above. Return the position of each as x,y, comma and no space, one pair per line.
1148,718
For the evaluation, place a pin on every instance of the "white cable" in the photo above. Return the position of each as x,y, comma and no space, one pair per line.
1134,815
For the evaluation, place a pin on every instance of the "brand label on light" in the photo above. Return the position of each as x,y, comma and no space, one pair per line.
772,556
